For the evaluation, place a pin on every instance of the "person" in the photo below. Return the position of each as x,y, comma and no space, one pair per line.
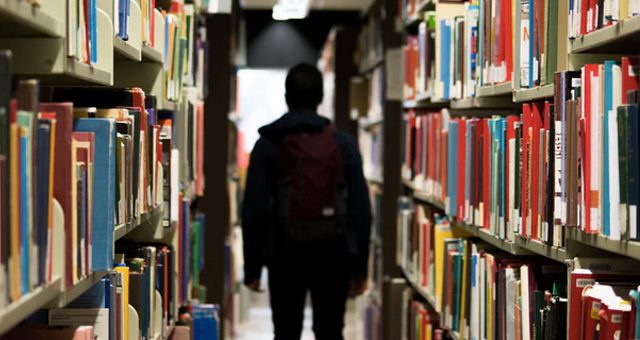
293,221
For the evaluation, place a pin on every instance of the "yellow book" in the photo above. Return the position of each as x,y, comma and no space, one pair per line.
14,204
624,9
125,294
442,231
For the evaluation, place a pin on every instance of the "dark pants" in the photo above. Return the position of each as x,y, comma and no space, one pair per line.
325,277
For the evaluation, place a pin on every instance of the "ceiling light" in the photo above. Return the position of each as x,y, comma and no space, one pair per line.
290,9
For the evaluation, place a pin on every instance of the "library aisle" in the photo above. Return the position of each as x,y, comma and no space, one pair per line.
499,141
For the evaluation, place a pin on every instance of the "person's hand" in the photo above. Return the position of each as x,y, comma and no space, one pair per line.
254,285
358,287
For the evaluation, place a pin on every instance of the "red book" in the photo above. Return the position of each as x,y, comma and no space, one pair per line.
62,170
593,14
591,305
508,18
426,250
462,132
417,163
612,321
584,6
486,173
537,126
629,76
525,159
87,30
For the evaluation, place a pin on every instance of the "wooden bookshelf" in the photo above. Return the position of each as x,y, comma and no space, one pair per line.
536,93
629,249
19,18
620,38
19,310
494,90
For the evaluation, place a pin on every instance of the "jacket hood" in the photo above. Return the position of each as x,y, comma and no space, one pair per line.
294,121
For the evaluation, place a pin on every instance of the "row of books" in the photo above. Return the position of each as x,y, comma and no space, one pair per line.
79,168
419,319
586,16
82,34
419,59
481,292
482,43
370,41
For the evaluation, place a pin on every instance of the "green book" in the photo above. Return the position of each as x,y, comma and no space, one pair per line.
623,166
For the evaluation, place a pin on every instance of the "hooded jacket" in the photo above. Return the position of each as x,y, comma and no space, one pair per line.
258,231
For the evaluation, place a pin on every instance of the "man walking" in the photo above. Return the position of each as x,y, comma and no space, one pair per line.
306,214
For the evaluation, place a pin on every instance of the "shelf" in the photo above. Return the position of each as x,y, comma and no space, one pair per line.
537,247
122,230
70,294
16,312
431,300
620,38
148,228
151,54
420,290
375,181
124,50
482,103
536,93
423,101
504,245
371,63
20,19
423,197
630,249
494,90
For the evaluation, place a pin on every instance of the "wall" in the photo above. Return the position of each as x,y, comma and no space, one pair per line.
282,44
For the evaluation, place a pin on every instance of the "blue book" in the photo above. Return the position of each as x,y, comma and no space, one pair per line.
122,19
206,322
445,54
608,106
633,157
95,297
104,183
93,31
501,125
43,155
24,215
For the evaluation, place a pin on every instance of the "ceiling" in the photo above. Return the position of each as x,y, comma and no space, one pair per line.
327,5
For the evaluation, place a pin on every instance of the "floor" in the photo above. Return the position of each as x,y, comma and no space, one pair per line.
257,325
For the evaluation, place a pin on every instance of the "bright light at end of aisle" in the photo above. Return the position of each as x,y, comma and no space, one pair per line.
290,9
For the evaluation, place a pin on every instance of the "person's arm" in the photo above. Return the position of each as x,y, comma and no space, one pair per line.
359,205
255,212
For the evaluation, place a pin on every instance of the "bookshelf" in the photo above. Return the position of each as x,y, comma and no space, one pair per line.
41,48
20,18
618,38
477,101
28,304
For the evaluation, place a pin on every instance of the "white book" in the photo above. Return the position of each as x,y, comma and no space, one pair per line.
510,302
524,294
614,177
72,9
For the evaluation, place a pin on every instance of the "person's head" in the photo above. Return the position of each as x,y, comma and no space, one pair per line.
304,88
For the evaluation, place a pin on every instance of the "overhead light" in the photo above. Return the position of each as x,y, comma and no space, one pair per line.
290,9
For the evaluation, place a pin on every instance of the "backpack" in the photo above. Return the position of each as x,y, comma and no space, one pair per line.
311,198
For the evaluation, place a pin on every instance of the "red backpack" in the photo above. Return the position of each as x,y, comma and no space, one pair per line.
311,195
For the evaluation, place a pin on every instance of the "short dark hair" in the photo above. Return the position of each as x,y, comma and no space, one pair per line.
304,87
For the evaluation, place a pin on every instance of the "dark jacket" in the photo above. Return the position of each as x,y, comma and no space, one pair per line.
258,234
